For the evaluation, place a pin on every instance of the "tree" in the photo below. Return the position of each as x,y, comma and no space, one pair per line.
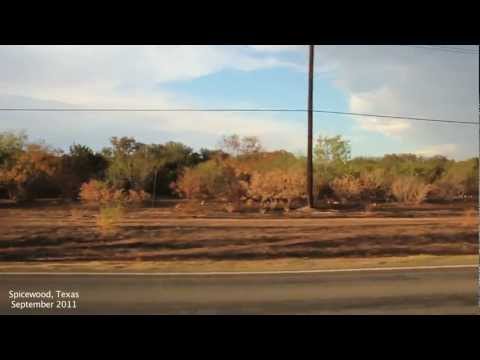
128,163
460,179
152,168
169,160
86,163
36,164
79,166
332,149
236,146
331,156
11,145
230,144
250,145
211,179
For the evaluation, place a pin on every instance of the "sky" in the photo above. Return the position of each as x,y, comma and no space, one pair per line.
390,80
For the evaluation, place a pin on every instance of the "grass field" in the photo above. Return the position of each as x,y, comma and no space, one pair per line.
163,239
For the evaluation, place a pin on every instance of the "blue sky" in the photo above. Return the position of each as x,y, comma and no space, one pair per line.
371,79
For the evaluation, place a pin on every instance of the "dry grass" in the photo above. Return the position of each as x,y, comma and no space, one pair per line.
77,213
470,217
410,190
291,264
151,234
109,218
370,208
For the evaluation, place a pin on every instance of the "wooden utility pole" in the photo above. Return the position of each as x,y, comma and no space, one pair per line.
154,192
310,128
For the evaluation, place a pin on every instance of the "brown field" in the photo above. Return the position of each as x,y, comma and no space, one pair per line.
69,234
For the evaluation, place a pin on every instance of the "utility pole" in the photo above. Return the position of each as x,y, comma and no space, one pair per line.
154,192
310,128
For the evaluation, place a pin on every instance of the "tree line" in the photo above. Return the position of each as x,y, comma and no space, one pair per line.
239,172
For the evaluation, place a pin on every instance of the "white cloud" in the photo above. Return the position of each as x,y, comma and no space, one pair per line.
388,80
367,103
198,129
398,80
442,149
86,74
128,77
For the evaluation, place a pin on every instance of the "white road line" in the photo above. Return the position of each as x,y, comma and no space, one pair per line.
279,272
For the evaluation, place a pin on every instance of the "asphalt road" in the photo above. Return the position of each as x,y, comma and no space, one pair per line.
439,291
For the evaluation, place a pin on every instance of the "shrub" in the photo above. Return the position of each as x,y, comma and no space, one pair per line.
109,218
30,171
277,187
369,186
135,196
208,180
410,190
460,179
99,192
375,185
445,190
347,188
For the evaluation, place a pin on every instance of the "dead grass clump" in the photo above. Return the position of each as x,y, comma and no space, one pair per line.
99,192
193,206
109,218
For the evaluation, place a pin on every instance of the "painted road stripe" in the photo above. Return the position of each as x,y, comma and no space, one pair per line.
206,273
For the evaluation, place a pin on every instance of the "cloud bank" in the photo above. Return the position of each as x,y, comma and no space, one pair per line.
375,79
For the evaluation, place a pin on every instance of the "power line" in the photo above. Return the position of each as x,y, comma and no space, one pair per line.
445,48
235,110
457,48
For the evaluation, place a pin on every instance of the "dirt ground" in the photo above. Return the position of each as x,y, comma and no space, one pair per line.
69,233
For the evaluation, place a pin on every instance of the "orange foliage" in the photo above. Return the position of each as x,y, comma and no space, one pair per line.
277,186
99,192
35,161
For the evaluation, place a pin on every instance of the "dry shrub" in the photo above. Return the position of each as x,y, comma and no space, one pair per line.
99,192
109,218
369,186
136,197
210,180
375,185
410,190
277,187
446,190
347,188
